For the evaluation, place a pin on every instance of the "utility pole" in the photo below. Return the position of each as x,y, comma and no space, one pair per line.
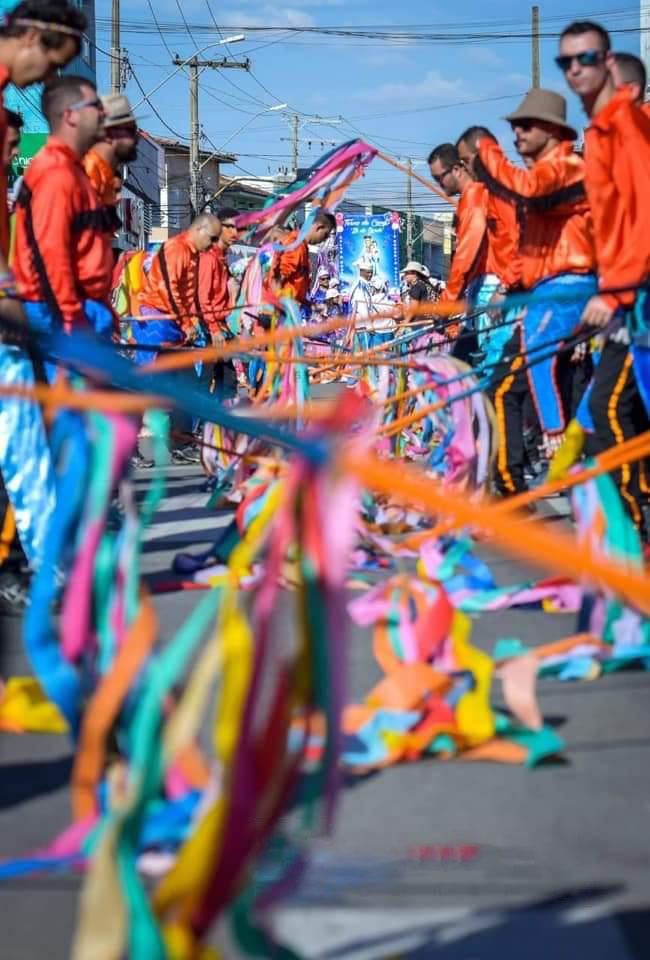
116,50
295,136
195,65
296,122
535,48
645,41
195,137
409,211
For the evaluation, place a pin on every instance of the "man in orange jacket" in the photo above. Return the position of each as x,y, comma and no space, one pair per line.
290,270
557,255
469,261
503,264
617,178
63,259
216,292
171,291
215,282
170,308
105,160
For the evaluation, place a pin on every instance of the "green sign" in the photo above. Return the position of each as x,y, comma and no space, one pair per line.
30,144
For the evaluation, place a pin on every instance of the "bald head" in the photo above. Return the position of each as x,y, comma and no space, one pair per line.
205,231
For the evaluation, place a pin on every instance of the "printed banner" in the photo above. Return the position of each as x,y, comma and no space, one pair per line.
369,243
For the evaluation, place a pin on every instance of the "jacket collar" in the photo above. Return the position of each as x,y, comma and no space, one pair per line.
54,143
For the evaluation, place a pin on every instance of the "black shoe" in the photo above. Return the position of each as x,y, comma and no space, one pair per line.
14,594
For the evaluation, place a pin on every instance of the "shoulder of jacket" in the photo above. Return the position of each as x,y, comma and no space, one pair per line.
50,163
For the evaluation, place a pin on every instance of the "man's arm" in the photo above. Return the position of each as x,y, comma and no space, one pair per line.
472,227
542,179
623,174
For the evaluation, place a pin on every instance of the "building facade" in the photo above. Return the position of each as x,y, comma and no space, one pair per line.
175,207
140,204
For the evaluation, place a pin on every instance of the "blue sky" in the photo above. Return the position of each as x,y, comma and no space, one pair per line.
403,95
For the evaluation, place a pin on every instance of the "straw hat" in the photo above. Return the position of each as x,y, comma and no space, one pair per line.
414,267
544,105
117,110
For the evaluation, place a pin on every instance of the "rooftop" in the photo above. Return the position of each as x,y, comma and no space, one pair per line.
183,149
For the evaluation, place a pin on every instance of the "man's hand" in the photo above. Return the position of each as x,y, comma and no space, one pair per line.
217,338
597,313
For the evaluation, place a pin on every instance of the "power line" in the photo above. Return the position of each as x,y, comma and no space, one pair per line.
449,33
161,34
179,136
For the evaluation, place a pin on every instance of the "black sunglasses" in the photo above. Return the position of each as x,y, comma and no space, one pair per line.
213,239
233,226
524,125
588,58
441,176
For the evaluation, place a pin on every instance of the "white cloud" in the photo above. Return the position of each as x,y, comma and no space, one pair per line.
483,56
432,87
520,80
282,16
373,57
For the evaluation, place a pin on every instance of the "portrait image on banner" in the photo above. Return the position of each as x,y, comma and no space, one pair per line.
369,243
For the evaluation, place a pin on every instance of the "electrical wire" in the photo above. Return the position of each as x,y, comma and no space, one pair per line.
160,33
179,136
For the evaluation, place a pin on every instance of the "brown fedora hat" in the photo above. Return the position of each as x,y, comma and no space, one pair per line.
544,105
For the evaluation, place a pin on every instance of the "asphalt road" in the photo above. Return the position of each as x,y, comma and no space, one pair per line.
556,860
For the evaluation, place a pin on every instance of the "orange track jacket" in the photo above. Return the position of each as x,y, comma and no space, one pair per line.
63,250
214,296
101,175
617,158
172,285
503,258
470,256
556,234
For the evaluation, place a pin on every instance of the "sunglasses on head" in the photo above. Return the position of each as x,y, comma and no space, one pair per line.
588,58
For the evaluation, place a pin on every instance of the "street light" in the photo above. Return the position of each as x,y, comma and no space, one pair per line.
197,53
276,107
